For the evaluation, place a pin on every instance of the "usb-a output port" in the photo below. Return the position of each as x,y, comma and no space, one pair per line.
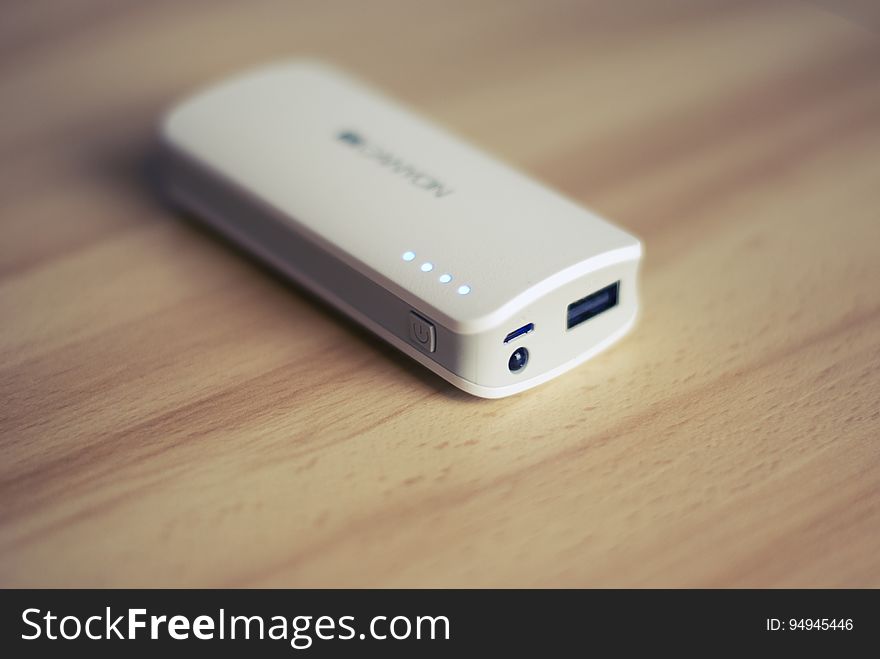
593,305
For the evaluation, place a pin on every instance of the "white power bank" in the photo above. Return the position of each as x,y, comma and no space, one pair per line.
486,277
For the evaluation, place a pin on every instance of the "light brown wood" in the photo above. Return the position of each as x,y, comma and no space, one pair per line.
173,414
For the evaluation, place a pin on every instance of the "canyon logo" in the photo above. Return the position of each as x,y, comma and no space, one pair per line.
394,164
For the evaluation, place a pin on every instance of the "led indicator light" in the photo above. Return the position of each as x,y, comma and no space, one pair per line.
464,290
444,279
427,267
409,256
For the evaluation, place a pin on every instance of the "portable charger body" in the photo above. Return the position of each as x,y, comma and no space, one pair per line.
453,257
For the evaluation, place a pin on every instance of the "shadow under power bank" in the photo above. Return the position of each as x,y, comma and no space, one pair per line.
486,277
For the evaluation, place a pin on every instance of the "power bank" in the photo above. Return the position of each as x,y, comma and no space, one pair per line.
488,278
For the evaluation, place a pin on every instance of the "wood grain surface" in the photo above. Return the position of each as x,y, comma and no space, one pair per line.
173,414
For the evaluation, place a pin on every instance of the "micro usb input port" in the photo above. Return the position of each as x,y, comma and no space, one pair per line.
593,305
525,329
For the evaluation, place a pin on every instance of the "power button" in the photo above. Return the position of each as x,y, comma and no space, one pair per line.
422,332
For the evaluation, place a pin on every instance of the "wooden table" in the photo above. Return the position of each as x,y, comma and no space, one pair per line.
174,414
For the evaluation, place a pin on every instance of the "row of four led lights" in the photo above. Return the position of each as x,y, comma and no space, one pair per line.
445,278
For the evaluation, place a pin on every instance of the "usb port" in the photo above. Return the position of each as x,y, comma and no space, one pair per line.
592,305
525,329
